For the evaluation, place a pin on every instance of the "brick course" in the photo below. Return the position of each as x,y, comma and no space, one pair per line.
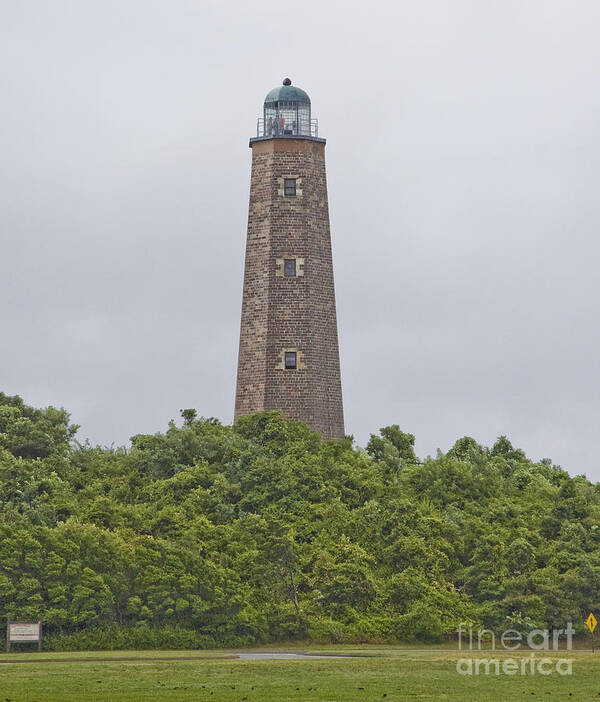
296,313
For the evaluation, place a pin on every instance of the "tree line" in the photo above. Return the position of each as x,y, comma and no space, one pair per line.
211,535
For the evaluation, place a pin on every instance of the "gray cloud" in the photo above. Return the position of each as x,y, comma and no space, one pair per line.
463,165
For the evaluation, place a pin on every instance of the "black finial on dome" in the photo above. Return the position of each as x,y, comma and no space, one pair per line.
287,81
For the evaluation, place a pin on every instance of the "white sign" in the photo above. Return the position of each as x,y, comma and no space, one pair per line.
21,631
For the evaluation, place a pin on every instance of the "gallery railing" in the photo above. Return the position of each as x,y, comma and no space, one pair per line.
279,128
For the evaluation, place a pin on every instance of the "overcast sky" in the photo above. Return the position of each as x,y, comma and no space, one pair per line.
463,166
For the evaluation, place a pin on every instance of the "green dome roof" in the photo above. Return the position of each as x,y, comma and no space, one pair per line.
287,92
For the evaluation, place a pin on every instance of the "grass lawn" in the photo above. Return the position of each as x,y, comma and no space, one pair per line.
395,674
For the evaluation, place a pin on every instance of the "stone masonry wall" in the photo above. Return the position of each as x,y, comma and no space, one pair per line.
296,313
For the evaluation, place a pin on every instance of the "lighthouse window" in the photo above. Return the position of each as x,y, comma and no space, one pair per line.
290,360
289,187
289,268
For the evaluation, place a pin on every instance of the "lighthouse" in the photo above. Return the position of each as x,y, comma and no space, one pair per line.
289,354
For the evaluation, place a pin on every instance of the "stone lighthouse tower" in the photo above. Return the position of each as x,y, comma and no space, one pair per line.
289,357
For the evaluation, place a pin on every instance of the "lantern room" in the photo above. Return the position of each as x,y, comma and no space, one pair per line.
286,113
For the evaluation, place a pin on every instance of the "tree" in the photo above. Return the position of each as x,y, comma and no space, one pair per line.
393,448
